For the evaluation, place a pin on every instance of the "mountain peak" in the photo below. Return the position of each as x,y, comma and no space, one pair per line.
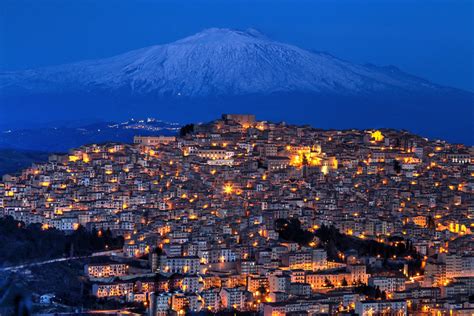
223,35
241,70
215,62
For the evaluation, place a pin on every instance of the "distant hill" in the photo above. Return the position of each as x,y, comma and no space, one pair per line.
64,136
14,160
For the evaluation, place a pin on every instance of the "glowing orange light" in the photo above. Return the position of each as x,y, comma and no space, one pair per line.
228,188
377,136
86,158
73,158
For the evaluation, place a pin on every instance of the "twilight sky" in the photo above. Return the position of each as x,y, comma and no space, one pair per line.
433,39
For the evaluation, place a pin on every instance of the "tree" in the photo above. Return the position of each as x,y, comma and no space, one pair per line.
328,283
262,290
332,250
431,223
378,293
186,129
397,167
291,230
344,282
24,244
305,161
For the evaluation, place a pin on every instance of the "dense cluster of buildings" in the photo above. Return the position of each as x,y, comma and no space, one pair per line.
202,209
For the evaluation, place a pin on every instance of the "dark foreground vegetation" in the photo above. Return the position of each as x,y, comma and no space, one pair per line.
24,244
290,230
336,243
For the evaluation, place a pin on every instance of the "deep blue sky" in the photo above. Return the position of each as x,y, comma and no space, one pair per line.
432,39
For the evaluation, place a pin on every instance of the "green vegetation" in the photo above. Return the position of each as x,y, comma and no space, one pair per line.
186,129
290,230
370,291
24,244
397,167
334,241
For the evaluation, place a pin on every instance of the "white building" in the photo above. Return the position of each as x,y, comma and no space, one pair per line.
377,307
182,265
388,283
233,298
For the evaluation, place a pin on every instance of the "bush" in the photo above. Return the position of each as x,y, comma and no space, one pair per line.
23,244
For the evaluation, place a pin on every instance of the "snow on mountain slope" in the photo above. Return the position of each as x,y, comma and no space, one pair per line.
221,70
214,62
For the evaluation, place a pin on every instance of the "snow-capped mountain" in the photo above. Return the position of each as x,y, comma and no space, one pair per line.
222,70
212,63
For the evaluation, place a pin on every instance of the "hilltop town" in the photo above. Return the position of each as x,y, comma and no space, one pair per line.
245,215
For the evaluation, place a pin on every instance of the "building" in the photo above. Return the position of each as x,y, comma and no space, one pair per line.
233,298
245,120
381,307
153,140
114,289
275,163
182,264
105,270
388,284
279,283
305,307
215,153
